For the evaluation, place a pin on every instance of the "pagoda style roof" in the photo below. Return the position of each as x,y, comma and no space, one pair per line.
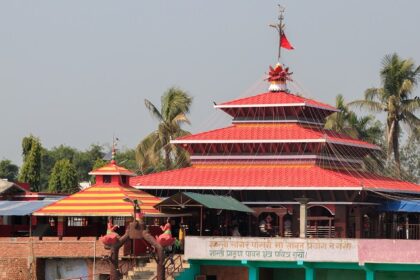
100,200
275,99
112,169
269,177
273,133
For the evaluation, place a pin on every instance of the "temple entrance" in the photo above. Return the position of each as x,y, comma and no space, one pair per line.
320,222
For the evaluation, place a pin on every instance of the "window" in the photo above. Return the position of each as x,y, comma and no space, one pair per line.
124,179
107,179
77,221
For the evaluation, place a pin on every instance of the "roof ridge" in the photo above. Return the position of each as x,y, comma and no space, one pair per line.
253,96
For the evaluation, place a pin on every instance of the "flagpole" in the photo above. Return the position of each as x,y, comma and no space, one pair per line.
279,28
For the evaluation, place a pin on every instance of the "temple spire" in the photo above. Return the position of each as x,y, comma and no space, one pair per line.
279,75
114,149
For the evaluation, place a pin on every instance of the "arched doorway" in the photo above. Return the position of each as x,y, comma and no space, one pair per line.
320,222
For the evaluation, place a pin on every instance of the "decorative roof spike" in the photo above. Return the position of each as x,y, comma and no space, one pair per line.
277,77
114,149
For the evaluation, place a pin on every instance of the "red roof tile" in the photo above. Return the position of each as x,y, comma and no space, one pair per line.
269,177
275,99
272,133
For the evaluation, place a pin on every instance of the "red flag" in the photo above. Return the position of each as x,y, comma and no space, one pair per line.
284,43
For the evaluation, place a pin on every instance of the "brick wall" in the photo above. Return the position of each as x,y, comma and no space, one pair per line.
22,257
14,268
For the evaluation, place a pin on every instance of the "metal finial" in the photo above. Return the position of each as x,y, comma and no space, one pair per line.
279,27
114,148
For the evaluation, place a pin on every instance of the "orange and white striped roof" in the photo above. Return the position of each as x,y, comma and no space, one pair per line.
100,200
112,169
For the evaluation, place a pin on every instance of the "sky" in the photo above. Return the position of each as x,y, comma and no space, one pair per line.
77,72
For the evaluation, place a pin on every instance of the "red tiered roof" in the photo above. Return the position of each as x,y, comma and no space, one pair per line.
275,99
271,133
269,177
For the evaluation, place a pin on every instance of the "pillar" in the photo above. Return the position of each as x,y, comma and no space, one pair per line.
370,275
303,204
60,226
358,222
253,273
309,273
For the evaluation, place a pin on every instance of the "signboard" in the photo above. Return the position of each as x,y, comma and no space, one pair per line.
271,249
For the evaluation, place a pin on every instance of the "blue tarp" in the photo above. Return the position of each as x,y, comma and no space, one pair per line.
22,208
412,206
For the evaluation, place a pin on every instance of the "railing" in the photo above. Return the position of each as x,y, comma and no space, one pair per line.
172,264
400,231
320,231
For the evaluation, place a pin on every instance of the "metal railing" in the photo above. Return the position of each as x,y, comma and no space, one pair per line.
400,231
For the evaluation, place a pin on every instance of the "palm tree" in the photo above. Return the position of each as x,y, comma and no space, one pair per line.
399,78
345,121
155,151
339,121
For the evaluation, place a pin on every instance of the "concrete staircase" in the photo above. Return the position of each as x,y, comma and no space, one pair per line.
147,271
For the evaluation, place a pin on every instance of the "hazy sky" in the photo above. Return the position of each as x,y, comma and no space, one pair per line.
77,72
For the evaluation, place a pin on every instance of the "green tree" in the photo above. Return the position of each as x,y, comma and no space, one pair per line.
82,160
399,78
127,159
31,168
97,164
155,149
410,160
8,170
345,121
63,178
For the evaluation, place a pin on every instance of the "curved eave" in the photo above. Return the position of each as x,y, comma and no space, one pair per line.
112,173
104,214
249,188
227,106
230,141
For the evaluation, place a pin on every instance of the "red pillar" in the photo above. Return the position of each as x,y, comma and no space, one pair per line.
60,227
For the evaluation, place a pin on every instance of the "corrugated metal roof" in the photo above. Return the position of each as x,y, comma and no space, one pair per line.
276,98
271,177
272,133
208,201
22,208
102,200
6,186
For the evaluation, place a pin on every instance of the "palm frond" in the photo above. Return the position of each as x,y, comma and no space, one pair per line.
180,118
372,94
410,105
153,110
368,104
174,102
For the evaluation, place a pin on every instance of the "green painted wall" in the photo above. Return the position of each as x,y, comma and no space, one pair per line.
397,275
333,274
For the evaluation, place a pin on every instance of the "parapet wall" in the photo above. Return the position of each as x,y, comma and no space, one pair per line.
359,251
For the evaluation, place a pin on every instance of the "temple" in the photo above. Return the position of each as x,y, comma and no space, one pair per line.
276,152
272,196
330,215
